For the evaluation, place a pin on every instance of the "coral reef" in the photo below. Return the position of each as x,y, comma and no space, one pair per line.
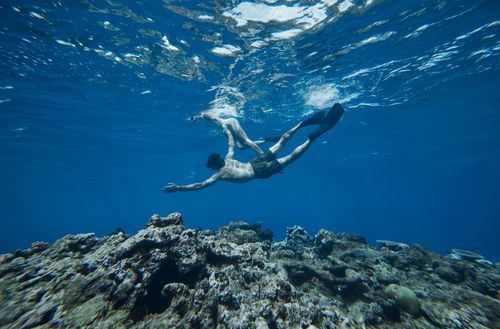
167,276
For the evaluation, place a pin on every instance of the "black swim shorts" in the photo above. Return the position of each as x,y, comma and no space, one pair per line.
265,165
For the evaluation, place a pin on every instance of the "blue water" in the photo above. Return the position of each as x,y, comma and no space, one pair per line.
94,105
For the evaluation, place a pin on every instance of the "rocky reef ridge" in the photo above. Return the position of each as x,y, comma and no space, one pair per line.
167,276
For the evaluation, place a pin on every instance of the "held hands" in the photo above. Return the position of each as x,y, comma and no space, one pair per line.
171,187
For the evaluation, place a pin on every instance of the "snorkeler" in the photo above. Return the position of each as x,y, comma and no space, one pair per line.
234,127
265,164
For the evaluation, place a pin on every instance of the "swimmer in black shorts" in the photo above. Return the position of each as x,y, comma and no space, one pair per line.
265,164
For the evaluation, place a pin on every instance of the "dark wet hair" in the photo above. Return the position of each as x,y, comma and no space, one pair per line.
214,161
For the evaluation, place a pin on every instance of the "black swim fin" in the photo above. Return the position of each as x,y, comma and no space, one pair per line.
332,118
315,119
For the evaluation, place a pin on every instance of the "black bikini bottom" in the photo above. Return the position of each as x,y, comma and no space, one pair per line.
265,165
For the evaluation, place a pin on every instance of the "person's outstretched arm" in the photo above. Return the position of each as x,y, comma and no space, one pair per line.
207,116
172,187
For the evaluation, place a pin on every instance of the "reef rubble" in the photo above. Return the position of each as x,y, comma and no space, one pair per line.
167,276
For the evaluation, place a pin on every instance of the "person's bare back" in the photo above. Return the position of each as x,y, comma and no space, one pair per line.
236,171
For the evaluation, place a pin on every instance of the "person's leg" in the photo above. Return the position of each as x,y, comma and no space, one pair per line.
283,139
240,135
254,146
331,119
299,150
316,119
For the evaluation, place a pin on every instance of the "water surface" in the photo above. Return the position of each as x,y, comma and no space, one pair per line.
95,96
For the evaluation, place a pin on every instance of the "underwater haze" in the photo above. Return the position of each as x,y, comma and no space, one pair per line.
95,98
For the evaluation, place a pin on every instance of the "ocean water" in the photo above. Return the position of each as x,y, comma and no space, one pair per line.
95,97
